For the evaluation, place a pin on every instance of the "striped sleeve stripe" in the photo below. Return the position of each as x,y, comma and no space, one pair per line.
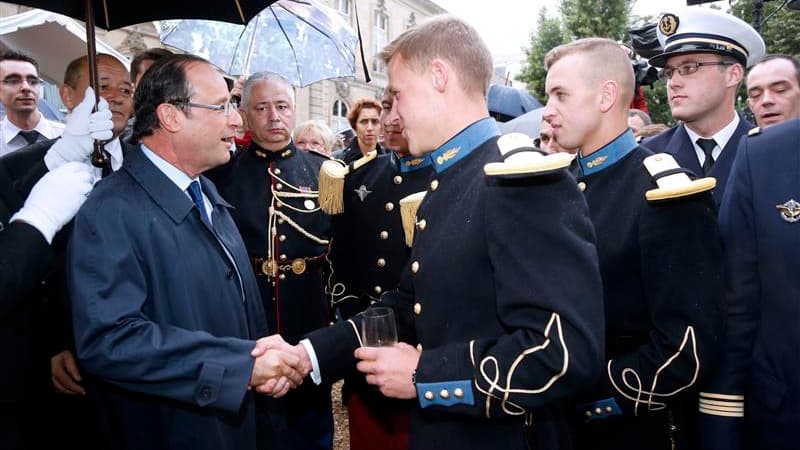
715,412
715,396
712,403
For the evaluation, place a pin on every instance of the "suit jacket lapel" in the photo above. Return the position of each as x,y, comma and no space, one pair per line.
681,147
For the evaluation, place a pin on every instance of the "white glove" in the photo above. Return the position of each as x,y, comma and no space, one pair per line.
83,127
56,198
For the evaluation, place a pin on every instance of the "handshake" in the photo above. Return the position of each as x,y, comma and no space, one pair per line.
279,367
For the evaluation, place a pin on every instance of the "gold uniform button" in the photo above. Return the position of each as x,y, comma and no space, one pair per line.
434,185
458,392
282,276
588,414
378,289
398,179
417,308
389,206
282,237
609,409
277,171
419,347
381,262
415,267
428,395
282,257
279,186
582,186
598,411
384,235
444,394
422,224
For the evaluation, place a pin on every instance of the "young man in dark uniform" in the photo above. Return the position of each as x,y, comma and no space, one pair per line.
660,261
368,254
273,188
704,58
498,309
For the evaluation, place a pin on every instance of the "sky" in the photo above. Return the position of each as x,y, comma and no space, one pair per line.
506,25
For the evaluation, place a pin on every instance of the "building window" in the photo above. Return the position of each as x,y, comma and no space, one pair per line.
343,6
339,117
380,37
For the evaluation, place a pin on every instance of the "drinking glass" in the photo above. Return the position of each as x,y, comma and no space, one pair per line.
378,328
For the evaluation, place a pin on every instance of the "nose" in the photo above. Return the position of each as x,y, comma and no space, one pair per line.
235,119
273,114
766,98
549,111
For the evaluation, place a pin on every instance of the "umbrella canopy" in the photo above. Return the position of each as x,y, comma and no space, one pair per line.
528,123
54,40
506,102
112,14
302,40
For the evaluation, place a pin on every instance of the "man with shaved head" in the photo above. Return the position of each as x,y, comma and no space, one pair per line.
660,261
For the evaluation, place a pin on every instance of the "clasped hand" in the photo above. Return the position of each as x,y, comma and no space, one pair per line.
390,368
279,367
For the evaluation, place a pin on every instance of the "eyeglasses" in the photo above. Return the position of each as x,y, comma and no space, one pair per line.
226,107
688,68
16,80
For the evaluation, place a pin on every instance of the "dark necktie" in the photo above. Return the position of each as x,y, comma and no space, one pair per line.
197,197
30,136
107,169
707,145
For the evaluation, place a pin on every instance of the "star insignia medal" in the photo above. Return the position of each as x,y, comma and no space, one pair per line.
789,211
362,192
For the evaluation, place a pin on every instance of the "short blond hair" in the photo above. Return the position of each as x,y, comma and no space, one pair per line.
318,128
448,38
606,60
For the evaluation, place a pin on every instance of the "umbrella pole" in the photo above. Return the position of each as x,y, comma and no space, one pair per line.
99,158
249,57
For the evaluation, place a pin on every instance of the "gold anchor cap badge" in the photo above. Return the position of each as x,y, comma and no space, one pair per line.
789,211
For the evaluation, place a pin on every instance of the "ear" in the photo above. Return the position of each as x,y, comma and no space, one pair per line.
609,95
67,95
735,74
440,74
169,117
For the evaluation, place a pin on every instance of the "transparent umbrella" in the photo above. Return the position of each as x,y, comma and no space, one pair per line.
302,40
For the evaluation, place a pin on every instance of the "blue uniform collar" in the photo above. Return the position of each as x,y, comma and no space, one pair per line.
411,163
462,144
608,155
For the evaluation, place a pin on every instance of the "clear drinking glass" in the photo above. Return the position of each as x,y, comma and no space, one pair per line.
378,328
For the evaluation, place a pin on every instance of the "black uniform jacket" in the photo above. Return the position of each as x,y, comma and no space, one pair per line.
502,294
278,191
662,285
676,142
760,223
368,250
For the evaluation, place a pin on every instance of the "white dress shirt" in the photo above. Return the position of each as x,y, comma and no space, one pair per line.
10,139
721,138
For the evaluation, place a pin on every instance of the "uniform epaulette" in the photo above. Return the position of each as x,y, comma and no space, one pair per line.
672,180
408,214
754,131
331,181
521,158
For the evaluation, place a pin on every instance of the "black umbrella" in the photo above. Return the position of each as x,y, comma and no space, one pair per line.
111,14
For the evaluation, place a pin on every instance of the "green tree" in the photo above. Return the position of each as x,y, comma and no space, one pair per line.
596,18
549,34
781,31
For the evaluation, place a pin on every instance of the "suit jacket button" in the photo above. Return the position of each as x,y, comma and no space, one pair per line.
422,224
282,237
444,394
417,308
282,276
378,289
381,262
277,171
598,411
229,274
429,395
389,206
398,179
415,267
384,235
282,257
458,392
279,186
434,185
419,347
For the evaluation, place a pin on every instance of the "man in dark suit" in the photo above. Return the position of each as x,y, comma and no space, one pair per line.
499,308
25,256
165,307
704,58
660,261
756,402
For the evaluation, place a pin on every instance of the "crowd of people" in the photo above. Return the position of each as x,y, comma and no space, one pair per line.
610,283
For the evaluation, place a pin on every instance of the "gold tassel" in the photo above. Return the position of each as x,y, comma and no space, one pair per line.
408,214
331,182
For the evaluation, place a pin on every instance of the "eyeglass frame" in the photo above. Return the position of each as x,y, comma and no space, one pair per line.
226,107
666,73
16,80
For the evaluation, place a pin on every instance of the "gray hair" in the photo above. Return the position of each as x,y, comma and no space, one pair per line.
270,77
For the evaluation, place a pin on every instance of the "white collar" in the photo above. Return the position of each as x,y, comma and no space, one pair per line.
173,173
721,137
